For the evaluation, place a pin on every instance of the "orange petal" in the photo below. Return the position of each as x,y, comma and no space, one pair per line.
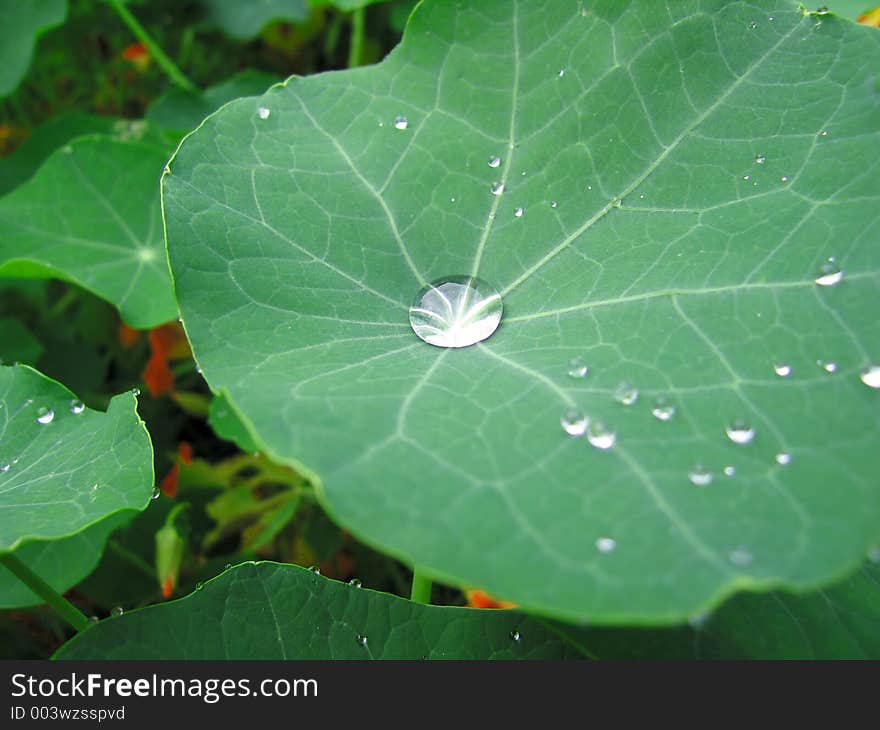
185,452
169,483
157,375
128,336
481,599
871,17
167,587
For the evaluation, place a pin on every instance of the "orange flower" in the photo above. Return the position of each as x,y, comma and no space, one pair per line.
128,336
167,342
481,599
137,54
170,482
871,17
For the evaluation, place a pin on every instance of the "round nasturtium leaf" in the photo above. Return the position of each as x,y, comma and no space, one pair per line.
22,23
677,206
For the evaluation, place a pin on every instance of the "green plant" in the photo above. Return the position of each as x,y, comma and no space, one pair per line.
667,438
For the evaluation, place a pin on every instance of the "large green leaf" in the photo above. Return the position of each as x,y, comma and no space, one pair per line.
243,20
91,215
64,467
683,175
22,23
272,611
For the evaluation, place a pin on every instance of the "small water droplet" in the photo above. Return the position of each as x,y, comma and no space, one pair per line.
577,368
823,133
783,370
589,187
830,274
822,10
77,407
452,200
199,586
760,159
561,73
729,471
93,619
601,435
753,24
457,311
747,177
494,162
263,112
117,611
740,556
626,393
401,122
227,566
314,569
518,212
5,467
606,544
829,366
552,203
45,415
662,409
783,458
784,178
137,391
156,492
740,432
870,376
355,583
700,476
93,492
515,635
574,422
497,188
362,639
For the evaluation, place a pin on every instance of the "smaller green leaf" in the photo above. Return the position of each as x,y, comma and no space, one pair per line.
22,23
244,20
274,611
227,425
64,467
178,112
91,215
17,344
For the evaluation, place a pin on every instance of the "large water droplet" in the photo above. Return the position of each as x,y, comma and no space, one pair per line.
263,112
626,393
870,376
577,368
77,407
497,188
662,409
740,432
457,311
494,162
783,370
574,422
822,10
45,415
601,435
606,544
830,274
401,122
700,476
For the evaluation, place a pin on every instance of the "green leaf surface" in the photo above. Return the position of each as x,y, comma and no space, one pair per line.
273,611
61,563
227,425
22,23
45,139
840,622
684,174
179,111
851,9
64,467
17,344
91,215
244,20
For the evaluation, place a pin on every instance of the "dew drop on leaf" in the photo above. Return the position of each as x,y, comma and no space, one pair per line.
784,178
740,432
77,407
783,458
515,635
156,493
497,188
199,586
729,470
783,370
518,212
760,159
830,274
494,162
362,639
456,311
93,492
117,611
829,366
561,73
577,368
574,422
355,583
740,556
5,466
626,393
663,410
552,203
870,376
753,24
263,112
606,544
601,435
45,415
822,10
401,122
314,569
700,476
93,619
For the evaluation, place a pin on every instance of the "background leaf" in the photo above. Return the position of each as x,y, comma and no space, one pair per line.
22,23
272,611
72,468
91,215
243,20
685,176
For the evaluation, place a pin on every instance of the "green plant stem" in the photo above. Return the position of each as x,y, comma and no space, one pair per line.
421,587
165,63
62,606
356,44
